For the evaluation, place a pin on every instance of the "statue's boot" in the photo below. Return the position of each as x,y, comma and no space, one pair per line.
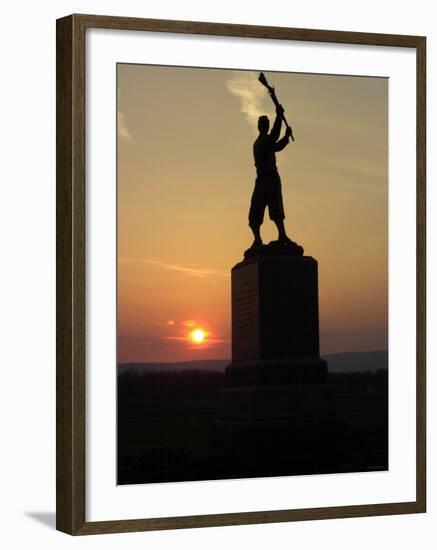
257,243
286,241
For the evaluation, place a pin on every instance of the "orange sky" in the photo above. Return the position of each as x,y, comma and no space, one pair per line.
185,177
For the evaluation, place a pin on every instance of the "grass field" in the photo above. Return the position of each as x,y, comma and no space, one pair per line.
171,438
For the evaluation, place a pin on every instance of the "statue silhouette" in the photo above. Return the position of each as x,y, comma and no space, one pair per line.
267,191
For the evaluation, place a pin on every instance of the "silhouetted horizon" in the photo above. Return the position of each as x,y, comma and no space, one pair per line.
370,361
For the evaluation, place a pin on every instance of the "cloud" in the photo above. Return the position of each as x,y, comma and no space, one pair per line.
250,92
188,270
123,131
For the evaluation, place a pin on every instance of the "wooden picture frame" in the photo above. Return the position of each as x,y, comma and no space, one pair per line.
71,283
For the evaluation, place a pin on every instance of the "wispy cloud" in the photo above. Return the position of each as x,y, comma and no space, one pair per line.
188,270
251,94
123,130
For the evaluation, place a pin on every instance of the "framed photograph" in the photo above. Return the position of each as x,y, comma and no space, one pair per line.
240,274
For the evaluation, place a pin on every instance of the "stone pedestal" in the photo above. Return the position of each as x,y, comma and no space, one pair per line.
275,310
276,397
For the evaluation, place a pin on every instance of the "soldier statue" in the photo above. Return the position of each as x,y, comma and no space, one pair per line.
267,192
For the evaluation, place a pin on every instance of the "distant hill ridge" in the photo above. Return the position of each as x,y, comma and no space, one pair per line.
358,361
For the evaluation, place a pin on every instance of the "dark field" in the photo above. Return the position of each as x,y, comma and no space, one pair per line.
166,429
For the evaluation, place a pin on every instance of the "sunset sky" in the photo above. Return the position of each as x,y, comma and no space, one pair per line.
185,178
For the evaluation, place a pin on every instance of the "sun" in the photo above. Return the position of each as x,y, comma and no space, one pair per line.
198,336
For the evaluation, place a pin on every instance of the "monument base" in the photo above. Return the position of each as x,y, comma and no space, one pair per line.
280,447
306,401
275,372
277,411
278,417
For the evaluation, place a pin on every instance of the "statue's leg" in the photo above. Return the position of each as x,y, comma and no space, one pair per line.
282,234
256,213
276,209
256,230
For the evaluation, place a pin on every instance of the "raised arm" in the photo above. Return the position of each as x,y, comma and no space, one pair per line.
276,130
283,142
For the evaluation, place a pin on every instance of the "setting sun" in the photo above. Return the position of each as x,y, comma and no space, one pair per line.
198,336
